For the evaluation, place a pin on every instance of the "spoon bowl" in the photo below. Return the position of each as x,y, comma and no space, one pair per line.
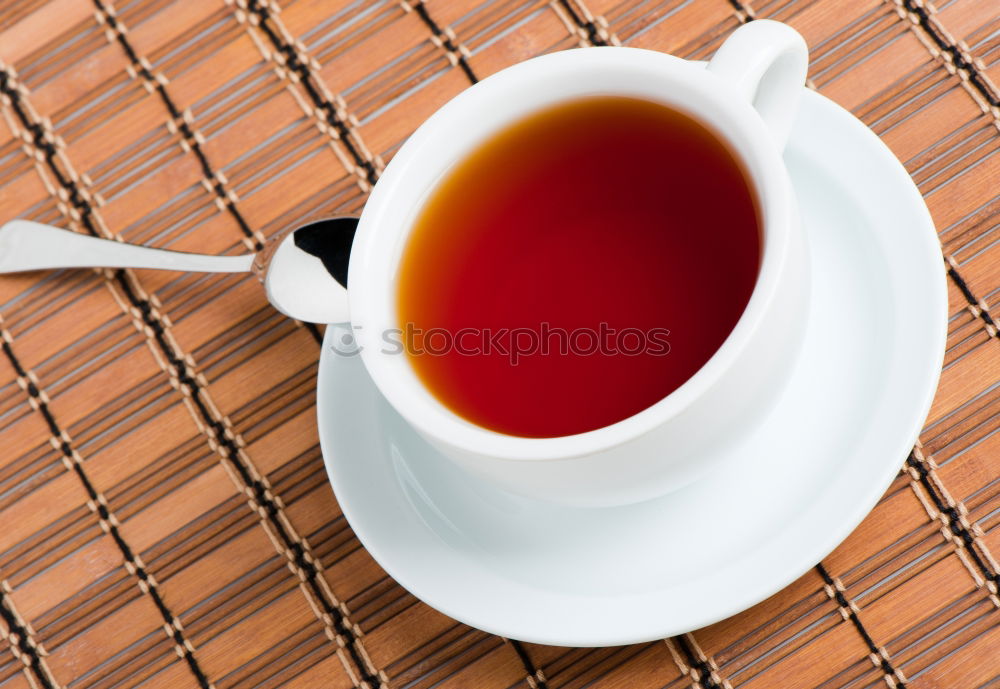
305,275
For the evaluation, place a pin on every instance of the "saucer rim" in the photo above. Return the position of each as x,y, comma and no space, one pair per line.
925,243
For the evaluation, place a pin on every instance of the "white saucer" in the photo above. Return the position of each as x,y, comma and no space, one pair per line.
556,575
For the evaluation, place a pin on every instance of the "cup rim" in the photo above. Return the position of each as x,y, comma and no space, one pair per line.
385,225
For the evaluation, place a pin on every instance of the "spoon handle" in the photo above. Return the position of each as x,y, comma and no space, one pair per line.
26,245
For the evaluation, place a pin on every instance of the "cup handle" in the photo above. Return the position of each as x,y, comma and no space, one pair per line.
766,61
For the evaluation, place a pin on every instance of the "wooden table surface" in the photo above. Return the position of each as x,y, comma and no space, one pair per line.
166,519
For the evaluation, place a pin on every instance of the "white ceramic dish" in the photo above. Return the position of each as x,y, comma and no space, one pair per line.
803,480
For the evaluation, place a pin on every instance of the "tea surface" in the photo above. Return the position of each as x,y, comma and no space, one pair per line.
543,273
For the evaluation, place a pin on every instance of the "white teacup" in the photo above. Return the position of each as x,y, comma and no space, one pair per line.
748,95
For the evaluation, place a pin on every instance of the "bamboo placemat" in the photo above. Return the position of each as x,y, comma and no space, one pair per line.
166,519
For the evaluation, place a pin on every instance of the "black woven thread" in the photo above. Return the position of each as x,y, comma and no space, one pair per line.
323,105
528,664
703,669
887,669
176,635
978,82
744,10
19,639
260,493
182,126
305,76
448,44
352,642
301,70
966,291
593,33
231,452
188,135
953,51
955,524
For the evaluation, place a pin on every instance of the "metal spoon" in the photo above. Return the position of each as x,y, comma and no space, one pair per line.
303,270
